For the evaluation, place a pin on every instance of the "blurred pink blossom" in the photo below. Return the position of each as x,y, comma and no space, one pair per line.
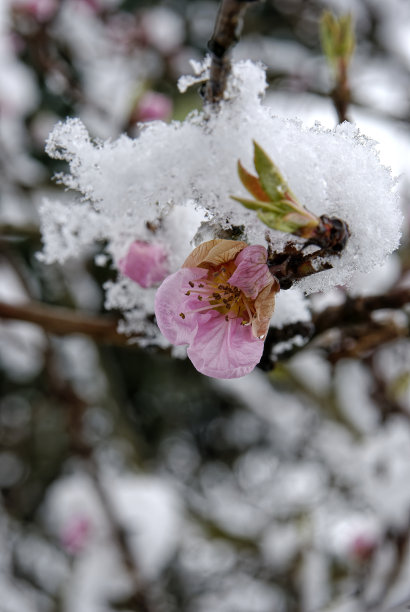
363,546
93,5
75,534
145,263
153,105
219,303
41,10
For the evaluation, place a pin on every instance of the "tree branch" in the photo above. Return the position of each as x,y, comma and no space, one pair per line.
63,321
352,312
228,27
358,310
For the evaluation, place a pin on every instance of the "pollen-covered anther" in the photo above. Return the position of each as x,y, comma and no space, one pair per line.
181,314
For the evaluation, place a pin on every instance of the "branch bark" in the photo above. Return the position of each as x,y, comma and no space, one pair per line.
228,27
359,309
63,321
350,314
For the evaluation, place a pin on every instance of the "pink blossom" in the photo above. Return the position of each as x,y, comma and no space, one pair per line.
363,547
41,10
145,263
75,534
153,105
219,303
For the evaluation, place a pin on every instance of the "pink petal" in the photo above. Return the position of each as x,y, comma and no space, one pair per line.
145,263
252,273
153,105
213,253
170,301
224,349
75,534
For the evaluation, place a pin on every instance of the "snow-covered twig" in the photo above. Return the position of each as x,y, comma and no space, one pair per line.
226,33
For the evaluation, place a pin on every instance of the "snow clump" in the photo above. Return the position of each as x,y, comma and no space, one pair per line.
175,181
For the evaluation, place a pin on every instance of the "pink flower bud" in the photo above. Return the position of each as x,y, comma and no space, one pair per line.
145,263
41,10
152,106
75,534
362,547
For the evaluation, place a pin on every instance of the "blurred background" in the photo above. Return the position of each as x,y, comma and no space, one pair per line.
128,480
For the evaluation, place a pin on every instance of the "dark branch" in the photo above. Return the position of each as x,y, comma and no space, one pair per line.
63,321
341,93
358,310
227,30
354,316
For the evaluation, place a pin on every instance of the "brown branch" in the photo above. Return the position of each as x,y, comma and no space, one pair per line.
63,321
350,314
341,93
140,598
28,231
358,341
358,310
228,27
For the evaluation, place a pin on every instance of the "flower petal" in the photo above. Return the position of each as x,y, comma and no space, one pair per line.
224,349
171,301
145,263
264,306
252,273
214,253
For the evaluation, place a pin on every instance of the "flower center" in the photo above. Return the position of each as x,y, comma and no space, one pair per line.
215,293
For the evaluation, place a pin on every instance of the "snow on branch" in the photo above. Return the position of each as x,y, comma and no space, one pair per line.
172,187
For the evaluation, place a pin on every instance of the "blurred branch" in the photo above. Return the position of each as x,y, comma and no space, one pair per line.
356,310
360,340
29,231
63,321
340,94
227,30
139,599
400,540
352,313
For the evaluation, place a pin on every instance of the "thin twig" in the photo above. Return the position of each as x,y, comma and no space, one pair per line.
63,321
140,597
341,93
359,309
228,27
351,313
28,231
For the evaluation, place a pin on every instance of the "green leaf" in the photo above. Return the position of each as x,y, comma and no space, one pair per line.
275,204
252,184
270,178
278,222
337,37
282,207
254,204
